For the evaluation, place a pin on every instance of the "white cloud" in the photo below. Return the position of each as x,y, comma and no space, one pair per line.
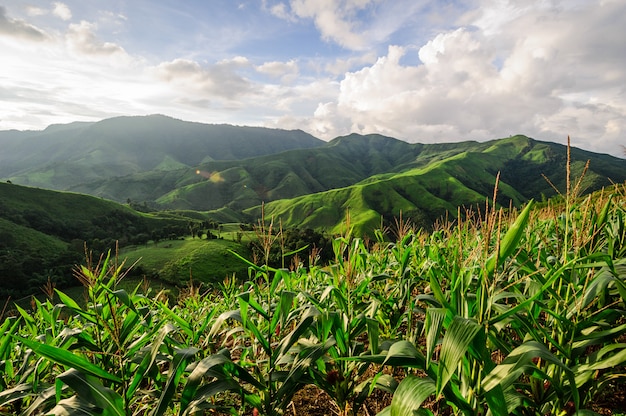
543,71
280,10
35,11
18,28
542,68
82,38
335,20
287,72
62,11
218,80
341,66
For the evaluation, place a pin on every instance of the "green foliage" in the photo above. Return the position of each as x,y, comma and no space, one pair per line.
43,234
518,312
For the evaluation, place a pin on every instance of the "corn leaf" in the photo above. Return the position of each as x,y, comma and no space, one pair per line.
66,358
148,360
432,328
410,394
91,391
181,358
455,342
521,360
510,241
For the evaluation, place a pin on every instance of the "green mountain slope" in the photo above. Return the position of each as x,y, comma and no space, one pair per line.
240,184
169,164
432,178
43,232
69,155
431,186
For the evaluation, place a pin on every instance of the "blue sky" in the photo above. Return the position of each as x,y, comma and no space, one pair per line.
419,70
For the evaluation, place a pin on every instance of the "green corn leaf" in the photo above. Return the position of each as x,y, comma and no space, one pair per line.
277,278
601,219
410,394
201,370
435,286
519,361
18,392
73,306
250,301
28,320
594,336
129,326
223,317
511,239
306,322
181,358
125,298
373,334
403,354
148,360
248,262
182,323
196,333
497,401
48,395
205,393
551,276
601,363
6,334
91,390
285,305
66,358
73,406
456,341
432,328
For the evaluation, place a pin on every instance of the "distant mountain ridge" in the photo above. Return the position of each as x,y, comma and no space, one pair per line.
63,156
441,179
171,164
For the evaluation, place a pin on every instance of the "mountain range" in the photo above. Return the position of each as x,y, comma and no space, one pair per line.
168,164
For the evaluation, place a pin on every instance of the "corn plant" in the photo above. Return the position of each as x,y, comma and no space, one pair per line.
106,351
261,332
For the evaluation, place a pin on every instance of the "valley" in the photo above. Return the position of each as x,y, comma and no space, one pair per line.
140,277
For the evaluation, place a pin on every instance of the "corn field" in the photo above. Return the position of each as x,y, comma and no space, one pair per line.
499,312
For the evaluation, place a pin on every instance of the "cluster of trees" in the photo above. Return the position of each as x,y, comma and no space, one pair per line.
24,271
209,229
25,268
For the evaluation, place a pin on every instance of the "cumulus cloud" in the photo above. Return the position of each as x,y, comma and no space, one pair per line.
285,71
280,10
19,28
543,71
62,11
82,38
357,25
220,79
336,20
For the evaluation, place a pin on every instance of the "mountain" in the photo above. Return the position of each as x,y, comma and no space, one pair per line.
438,181
350,160
161,163
63,156
43,234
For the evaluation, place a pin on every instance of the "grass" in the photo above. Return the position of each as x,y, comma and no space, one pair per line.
178,261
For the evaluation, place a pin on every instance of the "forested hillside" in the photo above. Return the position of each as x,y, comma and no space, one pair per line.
43,234
63,156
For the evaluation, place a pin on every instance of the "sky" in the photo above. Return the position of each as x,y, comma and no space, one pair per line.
418,70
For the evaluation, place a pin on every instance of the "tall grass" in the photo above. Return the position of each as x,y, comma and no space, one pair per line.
498,312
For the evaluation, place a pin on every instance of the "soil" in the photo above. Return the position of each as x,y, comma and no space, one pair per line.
311,401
